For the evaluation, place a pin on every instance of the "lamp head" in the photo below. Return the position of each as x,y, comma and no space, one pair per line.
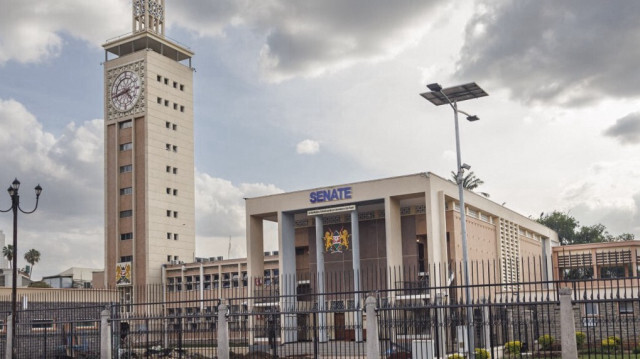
11,191
38,190
15,184
435,87
472,118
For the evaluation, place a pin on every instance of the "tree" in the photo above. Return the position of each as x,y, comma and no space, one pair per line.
32,257
7,252
562,223
470,182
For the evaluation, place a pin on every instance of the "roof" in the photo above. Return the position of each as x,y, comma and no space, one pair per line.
76,273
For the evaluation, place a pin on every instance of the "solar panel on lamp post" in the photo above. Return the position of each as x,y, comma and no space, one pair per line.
451,96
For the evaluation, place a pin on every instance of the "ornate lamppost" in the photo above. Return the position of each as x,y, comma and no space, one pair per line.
15,207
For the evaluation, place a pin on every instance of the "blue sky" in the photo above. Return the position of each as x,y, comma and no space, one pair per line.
294,95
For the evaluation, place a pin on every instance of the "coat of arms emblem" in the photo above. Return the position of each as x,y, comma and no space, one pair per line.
336,241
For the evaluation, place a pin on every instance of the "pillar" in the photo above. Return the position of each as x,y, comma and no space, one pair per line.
322,316
105,335
567,325
355,250
373,347
288,281
393,233
223,331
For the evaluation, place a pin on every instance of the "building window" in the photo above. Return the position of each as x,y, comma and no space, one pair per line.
175,127
175,84
168,169
126,146
126,168
591,309
126,236
175,192
175,106
160,100
577,273
168,146
166,81
169,260
175,171
175,258
126,213
181,108
125,124
613,272
168,213
175,236
175,214
126,259
126,191
181,87
166,103
175,148
625,307
168,190
42,324
159,78
167,124
168,235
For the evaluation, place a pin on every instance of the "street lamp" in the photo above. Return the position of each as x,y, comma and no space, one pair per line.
451,96
15,207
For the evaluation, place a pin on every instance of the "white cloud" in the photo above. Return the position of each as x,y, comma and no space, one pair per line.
308,147
626,129
30,31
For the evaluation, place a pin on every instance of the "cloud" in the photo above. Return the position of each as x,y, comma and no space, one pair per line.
220,214
570,52
68,225
307,147
31,31
311,38
626,129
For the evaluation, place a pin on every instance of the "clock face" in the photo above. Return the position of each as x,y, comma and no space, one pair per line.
125,91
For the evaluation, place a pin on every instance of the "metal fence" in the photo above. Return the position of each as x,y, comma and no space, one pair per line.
417,314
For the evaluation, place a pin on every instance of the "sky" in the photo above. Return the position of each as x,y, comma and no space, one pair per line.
291,95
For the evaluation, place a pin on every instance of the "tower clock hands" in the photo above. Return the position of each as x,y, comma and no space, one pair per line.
125,91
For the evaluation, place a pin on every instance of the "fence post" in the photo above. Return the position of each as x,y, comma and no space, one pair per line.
441,332
373,345
105,335
567,325
223,331
9,327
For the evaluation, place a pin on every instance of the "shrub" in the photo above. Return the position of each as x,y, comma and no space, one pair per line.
636,350
456,356
482,353
580,339
610,344
513,347
545,341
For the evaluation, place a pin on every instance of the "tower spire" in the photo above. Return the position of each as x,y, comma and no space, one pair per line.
148,15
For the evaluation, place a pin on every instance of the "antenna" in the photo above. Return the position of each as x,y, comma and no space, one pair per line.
229,249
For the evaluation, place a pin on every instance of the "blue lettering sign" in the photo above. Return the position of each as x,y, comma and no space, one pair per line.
329,195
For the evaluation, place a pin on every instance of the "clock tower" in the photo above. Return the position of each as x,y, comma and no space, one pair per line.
149,160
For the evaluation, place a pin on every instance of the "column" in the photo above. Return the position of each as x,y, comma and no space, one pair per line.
355,250
288,282
393,233
322,316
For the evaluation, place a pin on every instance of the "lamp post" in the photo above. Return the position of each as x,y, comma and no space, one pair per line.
15,207
451,96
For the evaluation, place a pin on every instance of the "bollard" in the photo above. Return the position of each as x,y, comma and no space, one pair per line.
105,335
223,331
373,345
567,325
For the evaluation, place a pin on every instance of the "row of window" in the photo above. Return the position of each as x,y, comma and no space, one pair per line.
166,102
172,191
609,272
126,259
173,236
176,85
170,125
49,324
172,169
170,147
212,281
170,213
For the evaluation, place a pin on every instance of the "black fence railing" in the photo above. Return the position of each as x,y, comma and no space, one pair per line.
418,315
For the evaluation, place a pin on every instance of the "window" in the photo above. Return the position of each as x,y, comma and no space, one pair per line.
168,190
168,235
169,260
126,168
86,324
591,309
175,171
167,124
159,78
175,106
125,124
577,273
175,84
42,324
166,103
181,108
181,87
126,191
126,146
126,259
175,214
175,192
160,100
175,236
175,148
166,81
625,307
168,169
175,127
175,258
168,213
126,236
126,213
168,146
